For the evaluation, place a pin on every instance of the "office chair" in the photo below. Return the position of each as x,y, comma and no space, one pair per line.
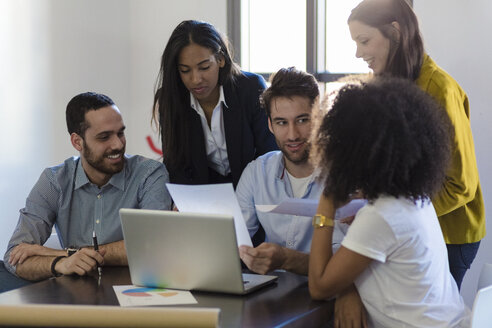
485,278
481,315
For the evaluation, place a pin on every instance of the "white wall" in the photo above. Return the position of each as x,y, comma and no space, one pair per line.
455,35
55,49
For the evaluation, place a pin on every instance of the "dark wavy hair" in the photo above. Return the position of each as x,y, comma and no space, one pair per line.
81,104
172,100
406,46
385,136
289,82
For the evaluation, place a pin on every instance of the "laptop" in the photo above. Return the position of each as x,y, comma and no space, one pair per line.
188,251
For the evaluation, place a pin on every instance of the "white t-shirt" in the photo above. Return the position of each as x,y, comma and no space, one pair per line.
408,284
299,185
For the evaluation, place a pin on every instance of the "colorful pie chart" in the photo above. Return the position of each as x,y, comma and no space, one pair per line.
139,292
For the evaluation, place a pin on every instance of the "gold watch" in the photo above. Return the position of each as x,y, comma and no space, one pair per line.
319,221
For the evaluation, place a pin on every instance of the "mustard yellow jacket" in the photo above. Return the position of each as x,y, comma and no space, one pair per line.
459,205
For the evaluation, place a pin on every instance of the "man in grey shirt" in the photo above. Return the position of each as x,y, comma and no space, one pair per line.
82,197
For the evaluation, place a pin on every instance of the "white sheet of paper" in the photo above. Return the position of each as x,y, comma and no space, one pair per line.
292,206
211,199
350,209
308,207
130,295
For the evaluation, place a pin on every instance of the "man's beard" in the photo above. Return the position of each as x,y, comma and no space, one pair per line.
98,162
297,158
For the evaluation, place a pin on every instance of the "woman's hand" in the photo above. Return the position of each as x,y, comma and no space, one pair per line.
349,310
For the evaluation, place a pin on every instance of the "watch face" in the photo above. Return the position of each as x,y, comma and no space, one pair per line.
322,221
71,251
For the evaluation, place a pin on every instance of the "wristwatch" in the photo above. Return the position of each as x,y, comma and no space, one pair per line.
71,250
319,221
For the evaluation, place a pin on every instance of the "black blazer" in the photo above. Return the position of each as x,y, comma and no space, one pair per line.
246,131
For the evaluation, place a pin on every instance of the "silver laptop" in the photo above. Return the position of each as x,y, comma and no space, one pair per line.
185,251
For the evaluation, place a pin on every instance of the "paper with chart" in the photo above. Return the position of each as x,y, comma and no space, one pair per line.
130,295
308,207
211,199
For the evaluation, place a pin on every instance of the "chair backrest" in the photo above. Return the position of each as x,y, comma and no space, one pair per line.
485,278
481,312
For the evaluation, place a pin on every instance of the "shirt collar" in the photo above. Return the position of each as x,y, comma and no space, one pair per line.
81,178
117,180
281,168
196,105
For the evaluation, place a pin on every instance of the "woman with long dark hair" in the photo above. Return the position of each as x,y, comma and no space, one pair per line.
391,142
208,111
387,36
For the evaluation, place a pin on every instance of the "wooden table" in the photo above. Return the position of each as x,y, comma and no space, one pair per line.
284,304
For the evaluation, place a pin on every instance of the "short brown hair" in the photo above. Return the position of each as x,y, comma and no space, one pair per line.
289,82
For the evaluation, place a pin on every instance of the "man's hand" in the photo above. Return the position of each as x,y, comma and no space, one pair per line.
23,251
81,263
348,220
264,258
349,310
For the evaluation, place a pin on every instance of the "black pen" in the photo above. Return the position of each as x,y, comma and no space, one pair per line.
96,248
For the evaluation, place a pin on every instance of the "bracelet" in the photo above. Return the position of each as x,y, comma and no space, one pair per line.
55,261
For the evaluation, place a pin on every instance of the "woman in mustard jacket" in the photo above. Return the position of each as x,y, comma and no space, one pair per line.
387,36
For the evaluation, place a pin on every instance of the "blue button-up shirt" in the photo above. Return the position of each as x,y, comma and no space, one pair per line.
265,182
64,197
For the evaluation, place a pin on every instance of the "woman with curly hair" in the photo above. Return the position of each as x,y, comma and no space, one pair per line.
390,142
387,36
208,111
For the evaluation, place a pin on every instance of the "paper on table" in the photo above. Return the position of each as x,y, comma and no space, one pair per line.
308,207
130,295
211,199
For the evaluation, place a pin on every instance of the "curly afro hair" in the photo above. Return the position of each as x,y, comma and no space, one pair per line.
384,136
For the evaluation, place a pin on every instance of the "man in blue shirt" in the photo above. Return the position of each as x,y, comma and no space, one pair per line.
278,175
82,197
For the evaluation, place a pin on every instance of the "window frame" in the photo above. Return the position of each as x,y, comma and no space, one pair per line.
315,38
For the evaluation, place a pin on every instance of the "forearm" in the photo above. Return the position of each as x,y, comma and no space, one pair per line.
35,268
349,309
115,253
54,252
321,253
455,194
296,262
23,251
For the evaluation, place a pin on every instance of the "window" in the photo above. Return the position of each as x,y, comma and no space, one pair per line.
271,32
310,34
339,47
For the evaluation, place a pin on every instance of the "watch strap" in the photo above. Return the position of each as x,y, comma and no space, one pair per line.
71,250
